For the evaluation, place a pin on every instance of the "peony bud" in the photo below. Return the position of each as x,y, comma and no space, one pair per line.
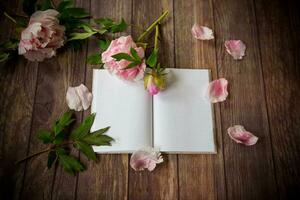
154,84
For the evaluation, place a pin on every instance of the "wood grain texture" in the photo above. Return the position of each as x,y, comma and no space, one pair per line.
200,176
163,182
108,178
278,22
249,170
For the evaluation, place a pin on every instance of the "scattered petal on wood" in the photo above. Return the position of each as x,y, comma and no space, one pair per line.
240,135
236,48
79,98
146,158
202,32
217,90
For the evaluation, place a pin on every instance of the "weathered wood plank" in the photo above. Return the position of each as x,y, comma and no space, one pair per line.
279,43
108,178
249,170
163,182
200,176
17,91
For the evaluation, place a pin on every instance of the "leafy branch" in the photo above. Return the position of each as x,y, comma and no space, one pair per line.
60,137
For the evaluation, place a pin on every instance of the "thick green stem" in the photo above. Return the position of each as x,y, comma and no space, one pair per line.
152,26
156,38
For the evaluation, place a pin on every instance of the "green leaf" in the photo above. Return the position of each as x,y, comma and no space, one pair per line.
124,56
94,59
3,56
103,44
29,6
10,44
80,36
119,27
52,156
75,12
86,149
65,4
135,54
152,59
87,27
131,65
83,128
106,22
60,138
46,5
64,121
45,136
98,138
69,163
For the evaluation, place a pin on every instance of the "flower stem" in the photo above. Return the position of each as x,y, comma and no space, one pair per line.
156,38
10,17
35,154
152,26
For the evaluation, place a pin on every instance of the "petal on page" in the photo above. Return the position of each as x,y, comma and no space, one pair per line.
236,48
145,158
240,135
217,90
202,32
79,98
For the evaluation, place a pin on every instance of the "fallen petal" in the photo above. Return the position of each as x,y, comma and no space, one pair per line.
240,135
73,99
202,32
145,158
236,48
217,90
79,98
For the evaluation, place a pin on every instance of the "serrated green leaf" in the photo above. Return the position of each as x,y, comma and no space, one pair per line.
69,163
45,136
64,121
119,27
80,36
65,4
86,149
98,138
103,44
84,127
121,56
52,156
29,6
135,54
152,59
94,59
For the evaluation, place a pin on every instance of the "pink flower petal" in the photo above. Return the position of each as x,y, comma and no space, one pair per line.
217,90
79,98
146,158
202,32
236,48
240,135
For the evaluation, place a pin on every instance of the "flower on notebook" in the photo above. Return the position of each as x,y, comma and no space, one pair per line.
146,158
236,48
202,32
240,135
79,98
217,90
124,59
154,83
42,36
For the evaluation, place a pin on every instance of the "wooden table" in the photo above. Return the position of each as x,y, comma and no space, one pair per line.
264,97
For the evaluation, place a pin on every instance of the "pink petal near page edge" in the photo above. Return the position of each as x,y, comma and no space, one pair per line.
146,158
239,134
217,90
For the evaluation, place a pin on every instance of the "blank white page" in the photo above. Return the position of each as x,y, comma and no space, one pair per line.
182,117
125,107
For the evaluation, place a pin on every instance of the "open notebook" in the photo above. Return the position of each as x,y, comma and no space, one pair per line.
177,120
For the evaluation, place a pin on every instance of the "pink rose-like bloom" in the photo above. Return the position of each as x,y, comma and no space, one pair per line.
123,45
154,84
79,98
217,90
42,36
145,159
240,135
236,48
202,32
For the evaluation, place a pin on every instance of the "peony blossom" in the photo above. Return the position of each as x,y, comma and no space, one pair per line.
202,32
79,98
123,45
217,90
236,48
145,159
42,36
240,135
154,84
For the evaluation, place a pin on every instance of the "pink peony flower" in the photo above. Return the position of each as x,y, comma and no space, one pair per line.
79,98
123,45
240,135
154,84
217,90
42,36
236,48
202,32
145,159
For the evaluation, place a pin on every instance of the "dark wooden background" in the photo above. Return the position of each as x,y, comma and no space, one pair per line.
264,97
